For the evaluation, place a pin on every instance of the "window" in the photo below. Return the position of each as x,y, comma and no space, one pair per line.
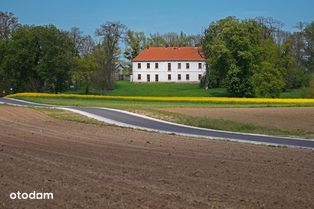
199,65
139,77
169,66
156,78
179,65
199,76
187,65
148,78
179,77
169,77
139,65
187,76
156,65
148,65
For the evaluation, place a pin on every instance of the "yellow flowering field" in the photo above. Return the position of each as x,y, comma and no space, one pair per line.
169,99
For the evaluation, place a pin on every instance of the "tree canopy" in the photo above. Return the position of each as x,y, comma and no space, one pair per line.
255,57
38,58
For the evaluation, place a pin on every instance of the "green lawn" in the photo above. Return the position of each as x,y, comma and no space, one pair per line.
126,88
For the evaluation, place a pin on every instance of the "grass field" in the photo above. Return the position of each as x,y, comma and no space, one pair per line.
126,88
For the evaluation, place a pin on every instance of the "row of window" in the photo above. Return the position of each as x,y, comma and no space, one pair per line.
187,66
187,77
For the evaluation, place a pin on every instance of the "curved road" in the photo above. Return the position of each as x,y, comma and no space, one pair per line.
128,119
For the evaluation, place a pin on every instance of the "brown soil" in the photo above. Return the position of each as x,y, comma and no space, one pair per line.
289,118
92,166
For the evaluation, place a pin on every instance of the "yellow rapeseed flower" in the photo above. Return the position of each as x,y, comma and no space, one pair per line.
171,99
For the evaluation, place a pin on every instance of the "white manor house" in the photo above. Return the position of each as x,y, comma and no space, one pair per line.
168,64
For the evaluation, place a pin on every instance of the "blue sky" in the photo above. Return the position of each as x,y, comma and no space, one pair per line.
160,16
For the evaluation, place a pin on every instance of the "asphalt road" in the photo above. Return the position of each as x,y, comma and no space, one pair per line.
132,120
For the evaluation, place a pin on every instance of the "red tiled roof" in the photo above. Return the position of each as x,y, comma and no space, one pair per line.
170,54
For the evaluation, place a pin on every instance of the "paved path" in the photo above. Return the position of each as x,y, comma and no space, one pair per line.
128,119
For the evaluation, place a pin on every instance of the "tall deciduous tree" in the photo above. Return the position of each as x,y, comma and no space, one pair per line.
84,65
8,23
309,46
111,33
232,50
298,45
84,44
3,79
271,28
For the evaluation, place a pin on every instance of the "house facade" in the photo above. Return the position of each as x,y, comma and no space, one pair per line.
168,64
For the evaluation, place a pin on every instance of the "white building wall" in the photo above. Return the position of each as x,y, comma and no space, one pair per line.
163,72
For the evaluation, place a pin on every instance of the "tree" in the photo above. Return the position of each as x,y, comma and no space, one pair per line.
38,58
84,70
57,52
84,64
8,23
3,79
22,55
309,46
87,45
76,35
173,40
136,42
298,44
294,73
84,44
156,40
111,34
271,28
232,48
